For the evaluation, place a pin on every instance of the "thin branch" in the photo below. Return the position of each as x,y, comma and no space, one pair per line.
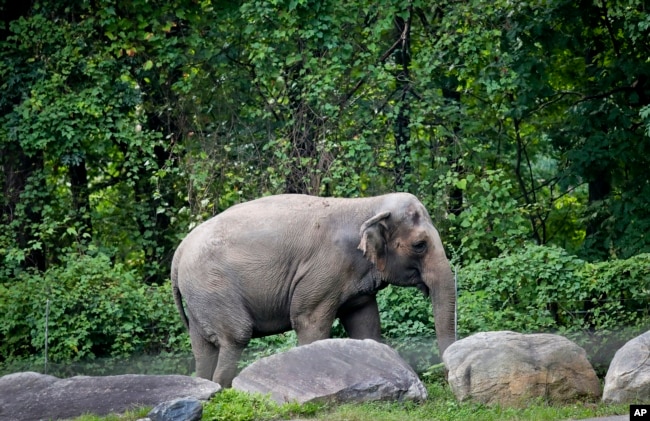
610,30
520,178
586,98
349,95
382,59
360,82
557,97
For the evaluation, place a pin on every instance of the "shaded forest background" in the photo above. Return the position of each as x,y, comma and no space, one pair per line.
524,127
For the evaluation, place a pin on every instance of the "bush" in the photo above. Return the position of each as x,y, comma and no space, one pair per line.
525,291
234,405
96,309
544,289
407,325
491,220
405,312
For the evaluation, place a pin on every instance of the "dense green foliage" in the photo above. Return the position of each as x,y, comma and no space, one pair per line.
536,289
543,289
122,126
232,405
546,289
100,310
93,309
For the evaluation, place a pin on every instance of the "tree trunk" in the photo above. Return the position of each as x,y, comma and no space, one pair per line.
81,199
17,168
596,237
402,122
18,172
451,95
304,128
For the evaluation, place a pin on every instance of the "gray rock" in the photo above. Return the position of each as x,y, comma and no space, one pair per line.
26,380
333,370
628,376
509,368
182,409
33,396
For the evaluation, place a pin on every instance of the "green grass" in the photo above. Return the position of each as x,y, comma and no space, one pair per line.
128,416
231,405
441,405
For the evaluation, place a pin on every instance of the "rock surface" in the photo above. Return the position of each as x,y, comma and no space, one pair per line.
333,370
181,409
33,396
628,376
508,368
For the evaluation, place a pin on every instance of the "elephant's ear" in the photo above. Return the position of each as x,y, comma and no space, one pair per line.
373,239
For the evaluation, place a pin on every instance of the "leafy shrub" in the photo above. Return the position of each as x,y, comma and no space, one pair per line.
536,289
233,405
96,309
525,291
544,289
268,345
491,220
407,325
405,312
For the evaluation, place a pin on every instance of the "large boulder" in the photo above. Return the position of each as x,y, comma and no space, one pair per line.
32,396
508,368
628,376
333,370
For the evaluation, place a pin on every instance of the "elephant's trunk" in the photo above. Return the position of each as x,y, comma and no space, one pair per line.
442,289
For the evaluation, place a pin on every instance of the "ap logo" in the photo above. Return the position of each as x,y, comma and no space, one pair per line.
639,412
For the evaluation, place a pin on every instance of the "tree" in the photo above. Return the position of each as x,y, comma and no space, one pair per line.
123,127
79,132
553,94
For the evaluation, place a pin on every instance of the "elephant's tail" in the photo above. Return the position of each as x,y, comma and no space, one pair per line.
178,298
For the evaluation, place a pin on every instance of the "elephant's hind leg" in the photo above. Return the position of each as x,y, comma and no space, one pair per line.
216,362
227,366
206,355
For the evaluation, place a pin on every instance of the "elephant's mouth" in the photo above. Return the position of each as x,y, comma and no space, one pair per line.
422,287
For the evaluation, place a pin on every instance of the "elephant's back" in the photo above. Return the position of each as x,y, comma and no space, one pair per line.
250,232
285,205
275,216
262,231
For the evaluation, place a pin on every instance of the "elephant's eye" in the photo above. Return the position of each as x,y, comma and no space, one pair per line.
419,247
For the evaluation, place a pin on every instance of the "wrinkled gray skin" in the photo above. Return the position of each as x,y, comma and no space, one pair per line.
299,262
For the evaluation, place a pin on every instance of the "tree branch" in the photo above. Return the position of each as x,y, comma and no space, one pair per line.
382,59
610,30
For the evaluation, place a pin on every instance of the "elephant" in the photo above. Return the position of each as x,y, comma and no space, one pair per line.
299,262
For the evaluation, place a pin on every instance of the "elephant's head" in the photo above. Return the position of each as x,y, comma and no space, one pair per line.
406,249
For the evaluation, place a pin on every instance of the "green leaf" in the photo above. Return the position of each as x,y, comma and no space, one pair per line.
461,184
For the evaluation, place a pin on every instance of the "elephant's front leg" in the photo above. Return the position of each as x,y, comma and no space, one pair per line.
360,318
312,324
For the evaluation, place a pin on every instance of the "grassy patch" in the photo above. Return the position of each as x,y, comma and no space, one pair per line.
127,416
231,405
441,405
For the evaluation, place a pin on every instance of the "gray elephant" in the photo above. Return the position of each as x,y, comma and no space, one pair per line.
299,262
